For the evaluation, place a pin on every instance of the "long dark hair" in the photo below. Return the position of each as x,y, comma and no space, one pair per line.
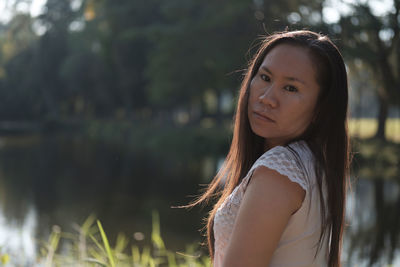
326,136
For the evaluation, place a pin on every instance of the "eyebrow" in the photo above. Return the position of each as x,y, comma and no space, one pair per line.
287,78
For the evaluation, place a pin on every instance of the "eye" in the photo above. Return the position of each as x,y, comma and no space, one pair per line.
290,88
265,77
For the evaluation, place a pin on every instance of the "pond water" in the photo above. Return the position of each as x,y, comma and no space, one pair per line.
62,179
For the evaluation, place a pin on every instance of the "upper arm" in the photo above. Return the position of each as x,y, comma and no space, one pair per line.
270,199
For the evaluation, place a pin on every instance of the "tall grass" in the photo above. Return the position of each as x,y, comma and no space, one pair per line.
90,247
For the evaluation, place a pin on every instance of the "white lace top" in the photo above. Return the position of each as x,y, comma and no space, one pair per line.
298,244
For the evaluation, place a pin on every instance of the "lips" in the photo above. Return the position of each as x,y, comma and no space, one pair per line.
263,117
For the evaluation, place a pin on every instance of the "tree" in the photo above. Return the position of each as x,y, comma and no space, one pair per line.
126,47
376,41
195,49
15,41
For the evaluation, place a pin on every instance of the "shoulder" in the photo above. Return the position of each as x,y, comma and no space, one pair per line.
271,186
294,161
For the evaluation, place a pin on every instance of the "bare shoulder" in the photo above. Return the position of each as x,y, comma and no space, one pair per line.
270,185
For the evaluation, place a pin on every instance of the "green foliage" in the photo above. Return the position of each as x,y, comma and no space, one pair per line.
90,247
131,56
371,40
374,39
158,57
194,49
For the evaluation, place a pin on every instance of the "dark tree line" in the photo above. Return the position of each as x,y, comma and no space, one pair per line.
153,59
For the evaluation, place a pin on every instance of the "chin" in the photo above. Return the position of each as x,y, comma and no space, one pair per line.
256,131
260,134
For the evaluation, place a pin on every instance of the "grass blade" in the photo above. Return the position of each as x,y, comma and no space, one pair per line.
106,244
156,232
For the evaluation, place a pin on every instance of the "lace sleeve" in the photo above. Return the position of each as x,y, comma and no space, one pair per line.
282,160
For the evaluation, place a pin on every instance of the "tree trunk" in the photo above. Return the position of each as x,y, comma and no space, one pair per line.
382,116
219,107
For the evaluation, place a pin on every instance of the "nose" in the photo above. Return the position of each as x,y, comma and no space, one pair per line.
268,97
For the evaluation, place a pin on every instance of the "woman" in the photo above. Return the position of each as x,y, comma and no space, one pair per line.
282,203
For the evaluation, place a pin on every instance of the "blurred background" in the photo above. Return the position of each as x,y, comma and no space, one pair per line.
118,108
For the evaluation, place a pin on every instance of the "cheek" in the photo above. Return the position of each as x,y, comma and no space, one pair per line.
311,110
251,98
301,115
305,120
254,88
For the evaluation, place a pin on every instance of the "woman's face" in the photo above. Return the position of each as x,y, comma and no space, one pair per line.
283,95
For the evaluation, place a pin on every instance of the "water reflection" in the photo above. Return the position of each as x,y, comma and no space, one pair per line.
18,238
63,179
373,224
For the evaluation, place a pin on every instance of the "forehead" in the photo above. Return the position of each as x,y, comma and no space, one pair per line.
290,60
